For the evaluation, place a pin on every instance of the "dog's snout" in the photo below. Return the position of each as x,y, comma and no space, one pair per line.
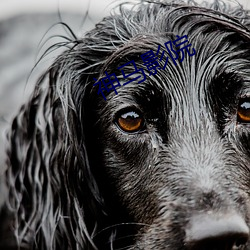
217,232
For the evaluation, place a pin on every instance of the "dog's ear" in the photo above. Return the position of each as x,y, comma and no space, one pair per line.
51,186
53,195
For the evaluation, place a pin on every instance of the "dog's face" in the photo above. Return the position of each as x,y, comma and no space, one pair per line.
176,147
163,164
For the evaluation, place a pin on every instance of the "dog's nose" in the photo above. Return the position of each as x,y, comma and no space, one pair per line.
217,232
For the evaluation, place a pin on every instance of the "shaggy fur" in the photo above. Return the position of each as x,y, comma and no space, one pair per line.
77,181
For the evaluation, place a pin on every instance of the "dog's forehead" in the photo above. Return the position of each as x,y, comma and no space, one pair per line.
194,76
217,56
219,69
221,44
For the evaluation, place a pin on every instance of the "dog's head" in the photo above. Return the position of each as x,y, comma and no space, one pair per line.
161,164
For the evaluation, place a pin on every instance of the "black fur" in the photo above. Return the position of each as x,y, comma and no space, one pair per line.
77,181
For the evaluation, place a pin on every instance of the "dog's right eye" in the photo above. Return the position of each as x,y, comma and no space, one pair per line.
243,113
130,121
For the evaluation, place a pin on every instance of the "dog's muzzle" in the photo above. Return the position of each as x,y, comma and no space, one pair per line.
217,232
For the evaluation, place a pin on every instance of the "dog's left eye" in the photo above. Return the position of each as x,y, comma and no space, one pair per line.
130,121
243,113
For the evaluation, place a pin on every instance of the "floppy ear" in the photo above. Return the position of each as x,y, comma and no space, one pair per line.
53,197
51,186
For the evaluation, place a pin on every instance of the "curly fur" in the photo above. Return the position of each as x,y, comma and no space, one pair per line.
77,182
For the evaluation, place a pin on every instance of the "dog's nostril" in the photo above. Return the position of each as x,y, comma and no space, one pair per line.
217,232
241,241
223,242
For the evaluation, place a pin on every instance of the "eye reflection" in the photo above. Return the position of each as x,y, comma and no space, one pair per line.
243,112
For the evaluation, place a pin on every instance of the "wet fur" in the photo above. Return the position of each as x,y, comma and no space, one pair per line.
78,182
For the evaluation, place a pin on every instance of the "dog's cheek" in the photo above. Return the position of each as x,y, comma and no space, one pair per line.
131,171
242,141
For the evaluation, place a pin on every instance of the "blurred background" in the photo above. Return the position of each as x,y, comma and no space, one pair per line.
25,26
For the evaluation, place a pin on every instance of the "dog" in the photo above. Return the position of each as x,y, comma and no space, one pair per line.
161,164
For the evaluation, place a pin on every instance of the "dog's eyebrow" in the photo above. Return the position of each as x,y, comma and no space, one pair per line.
226,82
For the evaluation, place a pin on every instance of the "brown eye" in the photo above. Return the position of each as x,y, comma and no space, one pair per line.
243,113
130,121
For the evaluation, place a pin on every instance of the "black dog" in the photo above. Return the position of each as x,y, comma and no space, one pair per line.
163,164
